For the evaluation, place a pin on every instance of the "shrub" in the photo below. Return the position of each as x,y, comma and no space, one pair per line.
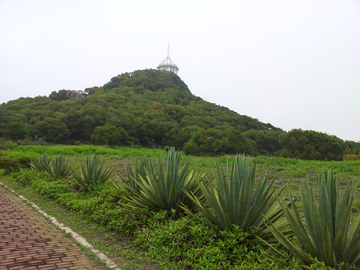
188,243
11,146
9,164
351,157
91,174
219,142
25,162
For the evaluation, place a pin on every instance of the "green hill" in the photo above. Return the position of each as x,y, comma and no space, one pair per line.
144,107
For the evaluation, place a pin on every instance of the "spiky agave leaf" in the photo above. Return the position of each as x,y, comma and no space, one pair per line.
91,173
61,166
43,163
163,189
237,200
328,235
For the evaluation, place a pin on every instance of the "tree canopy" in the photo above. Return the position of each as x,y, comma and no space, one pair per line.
157,107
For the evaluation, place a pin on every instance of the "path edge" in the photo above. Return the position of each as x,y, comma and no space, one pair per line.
78,238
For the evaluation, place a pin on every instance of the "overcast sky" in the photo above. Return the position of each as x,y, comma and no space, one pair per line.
291,63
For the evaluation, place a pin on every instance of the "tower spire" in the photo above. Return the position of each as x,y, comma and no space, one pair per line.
167,64
168,55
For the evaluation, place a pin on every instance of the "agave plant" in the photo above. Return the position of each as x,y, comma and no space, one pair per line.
44,163
238,200
162,189
327,233
61,166
91,174
135,174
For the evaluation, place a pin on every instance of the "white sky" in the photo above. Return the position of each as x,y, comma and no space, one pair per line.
294,64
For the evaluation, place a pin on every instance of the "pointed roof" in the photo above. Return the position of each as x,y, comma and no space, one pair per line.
167,61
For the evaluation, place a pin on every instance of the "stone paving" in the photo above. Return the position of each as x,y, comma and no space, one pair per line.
29,241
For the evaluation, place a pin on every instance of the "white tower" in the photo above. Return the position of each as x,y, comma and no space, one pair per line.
167,64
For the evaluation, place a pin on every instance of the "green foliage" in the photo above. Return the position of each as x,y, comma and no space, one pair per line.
61,166
327,233
146,79
181,243
109,135
187,243
150,105
41,141
25,162
267,141
13,164
11,146
16,130
43,163
52,129
351,157
311,145
91,174
238,200
59,95
27,177
218,142
9,164
163,189
135,175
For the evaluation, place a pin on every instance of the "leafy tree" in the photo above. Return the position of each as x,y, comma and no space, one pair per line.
151,105
219,142
52,130
310,144
109,135
58,96
16,130
267,141
92,90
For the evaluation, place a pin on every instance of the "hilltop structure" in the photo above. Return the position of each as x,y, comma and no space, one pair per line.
167,64
73,95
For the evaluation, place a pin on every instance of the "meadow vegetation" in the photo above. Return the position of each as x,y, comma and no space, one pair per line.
197,212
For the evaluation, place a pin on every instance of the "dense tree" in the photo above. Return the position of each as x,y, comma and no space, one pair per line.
15,130
52,130
219,142
59,95
157,107
310,144
267,141
109,135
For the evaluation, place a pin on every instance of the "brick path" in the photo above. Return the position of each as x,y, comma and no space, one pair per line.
29,241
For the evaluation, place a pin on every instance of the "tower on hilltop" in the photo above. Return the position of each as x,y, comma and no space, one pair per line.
167,64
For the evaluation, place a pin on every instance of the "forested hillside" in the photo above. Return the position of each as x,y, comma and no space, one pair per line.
151,107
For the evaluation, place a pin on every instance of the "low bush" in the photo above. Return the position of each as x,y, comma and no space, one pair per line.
9,164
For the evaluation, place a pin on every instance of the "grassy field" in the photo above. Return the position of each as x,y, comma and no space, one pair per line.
139,242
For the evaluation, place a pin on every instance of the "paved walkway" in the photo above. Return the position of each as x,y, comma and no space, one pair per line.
29,241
